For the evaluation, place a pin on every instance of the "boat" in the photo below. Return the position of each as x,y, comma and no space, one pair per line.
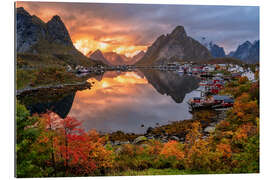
212,102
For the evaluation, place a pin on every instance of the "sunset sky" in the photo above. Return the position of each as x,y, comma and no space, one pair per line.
129,28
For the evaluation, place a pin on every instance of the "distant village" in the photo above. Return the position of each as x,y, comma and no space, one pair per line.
188,68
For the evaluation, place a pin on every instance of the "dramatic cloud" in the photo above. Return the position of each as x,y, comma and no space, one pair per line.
129,28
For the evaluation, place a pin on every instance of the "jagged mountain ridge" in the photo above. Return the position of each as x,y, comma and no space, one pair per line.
33,36
176,46
247,52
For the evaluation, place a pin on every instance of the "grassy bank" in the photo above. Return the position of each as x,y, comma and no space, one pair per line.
45,76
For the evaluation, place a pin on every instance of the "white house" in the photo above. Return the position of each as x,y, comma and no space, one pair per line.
249,74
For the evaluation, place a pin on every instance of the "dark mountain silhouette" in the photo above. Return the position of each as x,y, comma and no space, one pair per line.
33,36
247,52
176,46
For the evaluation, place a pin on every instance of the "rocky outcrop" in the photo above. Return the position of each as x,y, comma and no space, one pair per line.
247,52
176,46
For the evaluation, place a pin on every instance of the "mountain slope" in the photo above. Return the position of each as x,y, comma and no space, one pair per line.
176,46
137,57
33,36
98,56
114,58
247,52
215,50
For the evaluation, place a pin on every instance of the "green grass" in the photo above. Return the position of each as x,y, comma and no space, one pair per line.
45,76
24,78
152,171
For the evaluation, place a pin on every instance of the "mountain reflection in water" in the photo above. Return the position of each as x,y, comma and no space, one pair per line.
124,101
51,100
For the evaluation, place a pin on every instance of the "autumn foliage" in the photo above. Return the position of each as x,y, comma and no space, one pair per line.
173,149
73,151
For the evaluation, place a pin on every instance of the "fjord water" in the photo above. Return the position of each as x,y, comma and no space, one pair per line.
126,101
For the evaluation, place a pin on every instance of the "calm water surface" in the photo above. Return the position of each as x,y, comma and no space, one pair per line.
126,101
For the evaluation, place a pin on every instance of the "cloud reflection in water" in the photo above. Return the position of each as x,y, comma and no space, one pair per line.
124,102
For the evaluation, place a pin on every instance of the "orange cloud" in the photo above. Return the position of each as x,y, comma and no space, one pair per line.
86,45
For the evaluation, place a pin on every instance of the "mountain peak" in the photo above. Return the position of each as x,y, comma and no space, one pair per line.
176,46
247,43
21,10
58,31
179,31
56,18
98,51
97,55
247,52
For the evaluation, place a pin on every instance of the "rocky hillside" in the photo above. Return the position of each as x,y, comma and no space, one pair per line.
33,36
247,52
176,46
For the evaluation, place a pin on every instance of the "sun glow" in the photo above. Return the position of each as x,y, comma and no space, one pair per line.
105,84
102,46
90,45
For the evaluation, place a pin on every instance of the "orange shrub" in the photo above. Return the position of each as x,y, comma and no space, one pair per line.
242,80
244,131
155,147
173,148
225,150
